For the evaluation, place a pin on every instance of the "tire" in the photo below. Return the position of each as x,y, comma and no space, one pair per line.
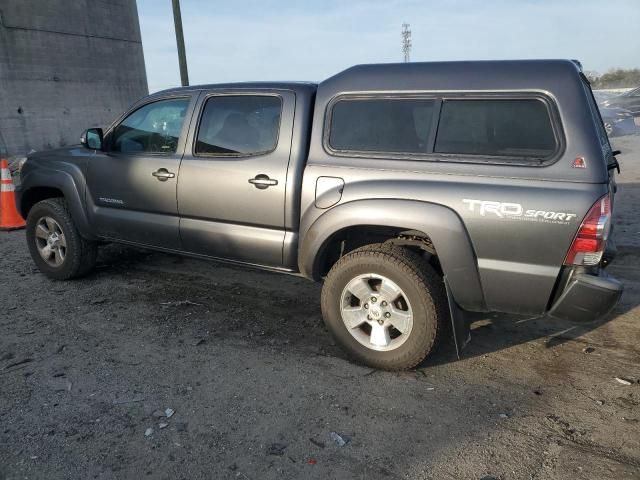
422,299
79,255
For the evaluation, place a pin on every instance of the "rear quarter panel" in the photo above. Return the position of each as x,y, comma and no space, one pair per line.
518,257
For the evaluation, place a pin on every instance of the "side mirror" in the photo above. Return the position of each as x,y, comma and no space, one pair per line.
92,138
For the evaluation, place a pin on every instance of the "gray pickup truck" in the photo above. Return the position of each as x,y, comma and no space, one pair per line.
417,192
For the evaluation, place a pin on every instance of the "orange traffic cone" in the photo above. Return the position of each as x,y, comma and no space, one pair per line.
10,219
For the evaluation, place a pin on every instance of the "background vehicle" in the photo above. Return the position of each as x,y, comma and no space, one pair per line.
618,122
416,191
629,100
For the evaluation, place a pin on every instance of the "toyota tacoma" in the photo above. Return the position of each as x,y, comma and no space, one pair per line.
417,193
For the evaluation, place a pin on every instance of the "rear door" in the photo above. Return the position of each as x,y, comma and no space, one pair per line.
232,184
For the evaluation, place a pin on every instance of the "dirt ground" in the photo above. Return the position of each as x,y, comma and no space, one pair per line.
258,386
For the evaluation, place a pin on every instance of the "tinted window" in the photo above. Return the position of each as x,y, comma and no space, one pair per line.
239,125
513,128
153,128
382,125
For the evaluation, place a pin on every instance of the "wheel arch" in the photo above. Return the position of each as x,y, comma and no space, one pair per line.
36,194
41,184
439,225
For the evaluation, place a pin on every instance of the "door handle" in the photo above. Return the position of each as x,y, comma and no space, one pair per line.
163,174
263,181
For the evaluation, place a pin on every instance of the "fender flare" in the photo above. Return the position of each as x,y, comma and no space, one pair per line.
66,183
443,226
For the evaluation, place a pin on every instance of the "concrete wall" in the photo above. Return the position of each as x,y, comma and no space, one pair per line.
66,65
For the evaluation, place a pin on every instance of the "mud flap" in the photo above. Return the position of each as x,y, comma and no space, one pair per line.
459,322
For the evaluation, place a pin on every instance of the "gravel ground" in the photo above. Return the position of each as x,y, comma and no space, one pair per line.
258,386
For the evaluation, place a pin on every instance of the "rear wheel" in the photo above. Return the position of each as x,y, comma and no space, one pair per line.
55,244
385,305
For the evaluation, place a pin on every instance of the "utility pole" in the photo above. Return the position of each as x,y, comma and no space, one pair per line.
182,57
406,42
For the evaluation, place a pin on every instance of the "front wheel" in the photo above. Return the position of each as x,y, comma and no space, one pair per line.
385,305
55,243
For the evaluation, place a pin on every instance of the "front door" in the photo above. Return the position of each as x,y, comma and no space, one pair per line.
231,190
132,184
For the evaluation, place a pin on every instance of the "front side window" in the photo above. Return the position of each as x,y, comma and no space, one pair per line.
153,128
239,125
386,125
496,127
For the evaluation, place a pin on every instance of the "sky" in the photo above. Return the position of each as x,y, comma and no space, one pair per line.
244,40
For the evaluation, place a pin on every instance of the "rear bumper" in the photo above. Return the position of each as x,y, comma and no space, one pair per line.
587,298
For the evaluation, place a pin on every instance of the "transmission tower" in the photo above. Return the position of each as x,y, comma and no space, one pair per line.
406,42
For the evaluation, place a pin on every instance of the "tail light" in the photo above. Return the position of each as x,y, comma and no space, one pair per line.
588,245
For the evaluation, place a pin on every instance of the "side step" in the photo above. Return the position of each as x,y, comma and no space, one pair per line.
459,322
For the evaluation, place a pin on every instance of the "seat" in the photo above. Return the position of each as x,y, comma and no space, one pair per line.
237,135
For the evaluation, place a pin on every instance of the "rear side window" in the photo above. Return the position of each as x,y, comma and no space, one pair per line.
239,125
496,127
398,125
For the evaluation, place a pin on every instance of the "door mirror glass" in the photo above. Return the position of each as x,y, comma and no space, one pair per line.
92,138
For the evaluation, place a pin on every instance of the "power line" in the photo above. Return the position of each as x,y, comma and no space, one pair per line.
406,42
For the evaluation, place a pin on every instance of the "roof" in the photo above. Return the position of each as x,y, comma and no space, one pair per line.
292,85
462,75
457,75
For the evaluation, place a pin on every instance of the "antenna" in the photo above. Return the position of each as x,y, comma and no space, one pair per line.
406,41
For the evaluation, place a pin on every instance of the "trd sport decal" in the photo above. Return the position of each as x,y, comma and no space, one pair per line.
515,211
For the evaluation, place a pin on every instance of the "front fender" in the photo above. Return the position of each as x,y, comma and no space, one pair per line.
64,181
442,225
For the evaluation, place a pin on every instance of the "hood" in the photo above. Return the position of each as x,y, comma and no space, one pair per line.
59,153
75,155
70,158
